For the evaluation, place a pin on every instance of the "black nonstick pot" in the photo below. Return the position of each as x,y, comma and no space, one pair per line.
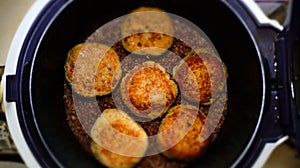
259,59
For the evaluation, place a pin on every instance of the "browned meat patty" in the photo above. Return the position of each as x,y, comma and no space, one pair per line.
118,141
92,69
147,31
183,134
148,91
201,76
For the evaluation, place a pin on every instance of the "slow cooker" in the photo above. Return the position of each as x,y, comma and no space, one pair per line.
261,57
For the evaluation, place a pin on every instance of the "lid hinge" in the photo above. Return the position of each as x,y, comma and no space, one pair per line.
281,83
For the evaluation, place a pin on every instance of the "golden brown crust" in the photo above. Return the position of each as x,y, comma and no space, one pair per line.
148,91
201,76
182,133
118,141
92,69
148,32
179,152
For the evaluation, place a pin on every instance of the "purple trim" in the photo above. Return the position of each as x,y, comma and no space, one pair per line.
17,84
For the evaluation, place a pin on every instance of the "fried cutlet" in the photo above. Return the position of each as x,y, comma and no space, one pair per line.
92,69
148,90
182,135
147,31
201,76
118,141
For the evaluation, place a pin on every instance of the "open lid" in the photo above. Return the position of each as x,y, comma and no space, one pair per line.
288,54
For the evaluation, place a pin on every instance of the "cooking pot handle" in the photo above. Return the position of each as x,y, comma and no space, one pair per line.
259,16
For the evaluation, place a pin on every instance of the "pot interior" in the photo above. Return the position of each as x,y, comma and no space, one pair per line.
80,19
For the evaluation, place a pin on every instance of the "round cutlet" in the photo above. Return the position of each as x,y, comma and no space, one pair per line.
182,135
118,141
201,76
147,31
148,90
92,69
